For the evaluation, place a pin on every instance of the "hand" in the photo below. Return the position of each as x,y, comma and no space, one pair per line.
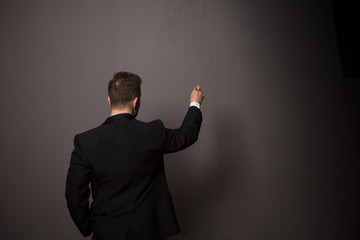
196,95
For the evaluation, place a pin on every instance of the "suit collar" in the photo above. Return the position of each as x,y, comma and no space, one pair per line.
119,116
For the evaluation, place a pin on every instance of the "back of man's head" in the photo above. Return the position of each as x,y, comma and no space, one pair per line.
123,88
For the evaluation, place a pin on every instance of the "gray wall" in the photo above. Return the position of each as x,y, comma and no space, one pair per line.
277,154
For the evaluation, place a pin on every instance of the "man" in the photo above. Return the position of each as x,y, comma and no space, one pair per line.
122,160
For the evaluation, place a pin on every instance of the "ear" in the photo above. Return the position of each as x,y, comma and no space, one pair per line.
109,101
133,104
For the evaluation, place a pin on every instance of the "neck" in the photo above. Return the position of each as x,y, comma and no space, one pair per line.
121,111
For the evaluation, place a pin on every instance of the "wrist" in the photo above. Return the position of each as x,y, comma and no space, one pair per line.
195,104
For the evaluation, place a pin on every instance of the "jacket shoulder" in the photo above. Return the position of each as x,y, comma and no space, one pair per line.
92,131
155,125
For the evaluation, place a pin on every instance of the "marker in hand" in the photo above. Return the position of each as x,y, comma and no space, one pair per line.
197,95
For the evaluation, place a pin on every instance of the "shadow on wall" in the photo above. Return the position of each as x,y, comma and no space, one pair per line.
208,200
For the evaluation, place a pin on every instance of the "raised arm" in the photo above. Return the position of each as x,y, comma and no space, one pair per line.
187,134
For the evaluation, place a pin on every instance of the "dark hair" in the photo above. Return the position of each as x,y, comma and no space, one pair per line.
123,88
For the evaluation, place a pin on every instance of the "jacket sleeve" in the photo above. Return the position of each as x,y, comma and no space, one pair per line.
186,135
77,191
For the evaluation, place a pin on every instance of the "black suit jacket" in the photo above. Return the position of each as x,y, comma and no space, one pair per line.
122,160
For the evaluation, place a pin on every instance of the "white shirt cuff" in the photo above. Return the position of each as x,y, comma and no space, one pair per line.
195,104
